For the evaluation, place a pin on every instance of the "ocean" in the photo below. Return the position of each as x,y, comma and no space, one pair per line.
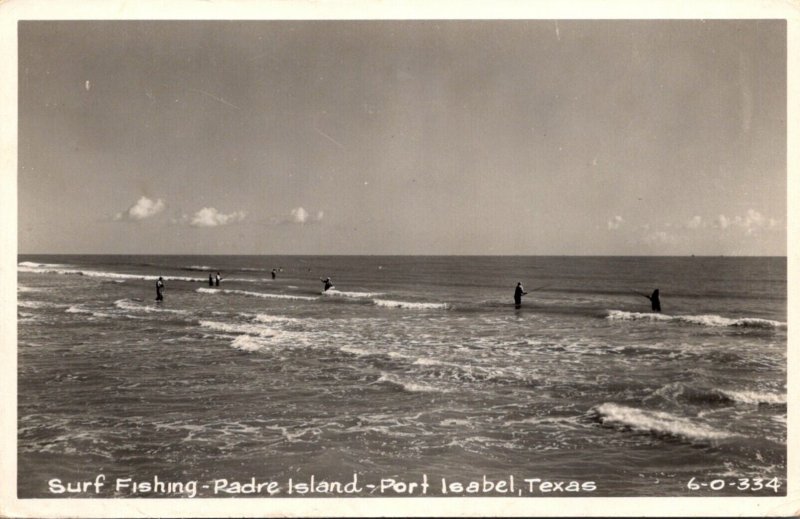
412,367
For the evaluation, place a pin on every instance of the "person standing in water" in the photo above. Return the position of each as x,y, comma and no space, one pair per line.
160,289
518,293
273,274
218,279
328,283
655,302
210,280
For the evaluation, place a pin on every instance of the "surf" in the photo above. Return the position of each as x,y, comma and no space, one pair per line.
658,423
710,320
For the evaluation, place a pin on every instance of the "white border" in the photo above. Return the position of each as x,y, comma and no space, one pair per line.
13,10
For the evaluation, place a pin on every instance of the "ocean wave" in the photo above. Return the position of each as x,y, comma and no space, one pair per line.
410,385
410,305
31,264
201,268
36,304
656,422
339,293
253,294
248,343
78,309
704,395
127,304
47,269
258,330
701,320
268,319
754,397
23,288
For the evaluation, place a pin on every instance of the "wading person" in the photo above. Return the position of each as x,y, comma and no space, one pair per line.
518,293
655,301
160,289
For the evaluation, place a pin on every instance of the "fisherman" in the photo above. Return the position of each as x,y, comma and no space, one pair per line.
655,302
273,274
218,279
210,280
328,283
160,289
518,293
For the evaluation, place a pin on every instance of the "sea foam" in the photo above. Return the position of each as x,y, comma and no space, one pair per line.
656,422
339,293
700,320
409,305
252,294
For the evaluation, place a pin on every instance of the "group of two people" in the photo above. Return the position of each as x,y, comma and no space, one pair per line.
214,280
655,301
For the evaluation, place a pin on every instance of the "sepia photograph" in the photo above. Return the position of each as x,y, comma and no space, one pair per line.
406,260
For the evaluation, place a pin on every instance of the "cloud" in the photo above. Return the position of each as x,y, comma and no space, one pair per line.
614,223
143,208
695,222
299,215
751,223
210,217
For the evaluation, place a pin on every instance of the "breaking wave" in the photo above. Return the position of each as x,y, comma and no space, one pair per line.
127,304
410,305
659,423
755,397
252,294
409,385
334,293
701,320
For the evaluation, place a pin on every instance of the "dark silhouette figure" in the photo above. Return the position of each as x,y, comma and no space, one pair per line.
218,279
160,289
518,293
210,280
328,283
273,274
655,302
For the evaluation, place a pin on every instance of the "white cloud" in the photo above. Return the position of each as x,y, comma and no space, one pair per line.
751,223
695,222
301,216
210,217
615,223
143,208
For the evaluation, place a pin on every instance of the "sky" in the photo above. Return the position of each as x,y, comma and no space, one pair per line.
538,137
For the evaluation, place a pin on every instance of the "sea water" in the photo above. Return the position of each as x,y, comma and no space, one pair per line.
411,367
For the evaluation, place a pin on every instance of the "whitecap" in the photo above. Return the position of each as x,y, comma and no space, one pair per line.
410,385
356,295
755,397
409,305
657,422
701,320
127,304
252,294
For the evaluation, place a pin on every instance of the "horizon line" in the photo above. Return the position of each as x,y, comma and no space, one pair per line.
420,255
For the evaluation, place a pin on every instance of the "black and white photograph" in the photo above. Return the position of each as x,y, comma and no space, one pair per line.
428,260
